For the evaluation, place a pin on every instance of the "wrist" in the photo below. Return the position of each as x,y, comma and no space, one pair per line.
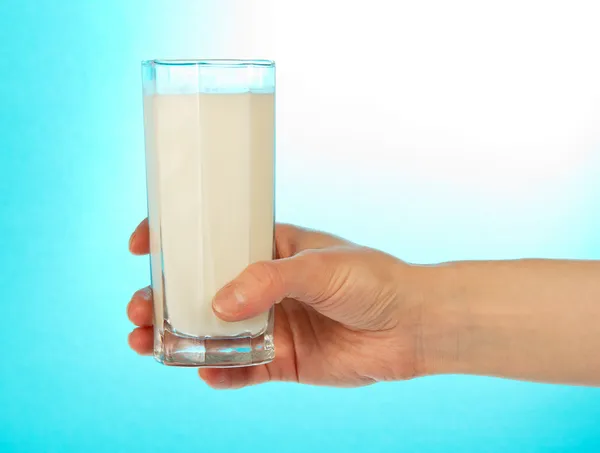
443,313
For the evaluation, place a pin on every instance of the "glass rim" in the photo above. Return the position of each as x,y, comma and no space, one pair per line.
229,63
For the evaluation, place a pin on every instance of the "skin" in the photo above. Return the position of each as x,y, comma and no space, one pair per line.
349,316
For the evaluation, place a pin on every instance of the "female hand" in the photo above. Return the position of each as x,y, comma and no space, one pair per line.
341,317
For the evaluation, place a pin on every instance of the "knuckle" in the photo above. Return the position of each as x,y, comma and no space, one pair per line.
265,274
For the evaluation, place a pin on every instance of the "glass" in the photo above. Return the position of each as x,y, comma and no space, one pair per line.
210,155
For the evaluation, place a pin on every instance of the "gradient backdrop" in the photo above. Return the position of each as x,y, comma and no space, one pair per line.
433,130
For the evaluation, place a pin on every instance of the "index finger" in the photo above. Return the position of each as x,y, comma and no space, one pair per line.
139,242
291,240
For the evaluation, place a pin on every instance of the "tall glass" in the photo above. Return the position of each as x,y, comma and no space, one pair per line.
210,150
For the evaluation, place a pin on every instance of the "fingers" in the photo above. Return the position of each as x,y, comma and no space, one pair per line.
139,242
139,309
290,240
141,340
306,277
234,378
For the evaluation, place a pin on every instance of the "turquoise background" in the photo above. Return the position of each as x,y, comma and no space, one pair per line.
72,189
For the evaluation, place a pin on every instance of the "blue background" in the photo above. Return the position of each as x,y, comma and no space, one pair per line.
441,164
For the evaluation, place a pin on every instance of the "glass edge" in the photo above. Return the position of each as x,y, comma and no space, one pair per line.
228,63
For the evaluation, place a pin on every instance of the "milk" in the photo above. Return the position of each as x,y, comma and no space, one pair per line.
210,168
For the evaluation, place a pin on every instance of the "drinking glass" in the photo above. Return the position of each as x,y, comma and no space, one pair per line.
210,153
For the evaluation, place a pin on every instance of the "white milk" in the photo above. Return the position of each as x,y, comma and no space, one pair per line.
210,189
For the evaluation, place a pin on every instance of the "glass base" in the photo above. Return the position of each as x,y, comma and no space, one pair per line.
175,349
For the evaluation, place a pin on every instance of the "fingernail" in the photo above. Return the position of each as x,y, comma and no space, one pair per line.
230,300
131,239
144,293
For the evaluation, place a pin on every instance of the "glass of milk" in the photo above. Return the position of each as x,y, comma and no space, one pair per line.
210,150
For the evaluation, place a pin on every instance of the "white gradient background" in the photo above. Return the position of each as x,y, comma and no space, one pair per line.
433,130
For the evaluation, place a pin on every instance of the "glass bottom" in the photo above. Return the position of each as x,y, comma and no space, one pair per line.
175,349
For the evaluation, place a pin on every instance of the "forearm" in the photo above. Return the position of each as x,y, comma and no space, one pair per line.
535,320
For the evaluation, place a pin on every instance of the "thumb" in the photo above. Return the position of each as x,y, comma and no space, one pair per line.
306,277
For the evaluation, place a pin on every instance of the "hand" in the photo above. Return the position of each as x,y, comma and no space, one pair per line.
341,317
